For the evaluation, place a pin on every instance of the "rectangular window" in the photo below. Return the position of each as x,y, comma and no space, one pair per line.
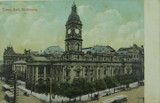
91,72
86,73
40,71
48,70
105,72
78,73
67,73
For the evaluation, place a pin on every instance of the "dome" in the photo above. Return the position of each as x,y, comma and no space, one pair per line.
53,50
74,16
98,50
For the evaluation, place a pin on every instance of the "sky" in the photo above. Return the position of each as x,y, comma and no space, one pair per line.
118,23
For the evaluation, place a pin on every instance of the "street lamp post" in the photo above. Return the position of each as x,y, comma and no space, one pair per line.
15,81
50,90
31,84
31,78
51,87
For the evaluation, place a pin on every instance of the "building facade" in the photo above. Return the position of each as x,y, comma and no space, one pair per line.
77,62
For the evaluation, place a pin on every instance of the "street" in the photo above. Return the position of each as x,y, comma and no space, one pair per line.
21,97
2,94
134,96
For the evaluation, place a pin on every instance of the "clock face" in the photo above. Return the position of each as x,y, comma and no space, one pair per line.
69,31
77,31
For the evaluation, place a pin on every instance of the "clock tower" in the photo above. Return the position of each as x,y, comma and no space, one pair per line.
73,39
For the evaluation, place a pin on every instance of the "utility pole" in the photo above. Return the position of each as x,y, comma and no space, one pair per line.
31,69
15,89
51,90
31,84
51,87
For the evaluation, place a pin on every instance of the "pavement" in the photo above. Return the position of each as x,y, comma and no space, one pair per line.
21,97
134,95
102,93
2,94
59,99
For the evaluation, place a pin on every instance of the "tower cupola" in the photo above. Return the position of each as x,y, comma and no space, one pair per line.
73,40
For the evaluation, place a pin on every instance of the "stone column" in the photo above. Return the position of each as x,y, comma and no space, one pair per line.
32,78
63,74
27,76
112,68
36,74
32,69
44,76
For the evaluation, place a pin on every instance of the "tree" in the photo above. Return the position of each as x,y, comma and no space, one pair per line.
42,88
100,84
63,89
90,87
110,82
55,88
120,79
134,77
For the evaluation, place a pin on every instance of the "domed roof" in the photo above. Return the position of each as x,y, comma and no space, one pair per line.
99,50
74,16
53,50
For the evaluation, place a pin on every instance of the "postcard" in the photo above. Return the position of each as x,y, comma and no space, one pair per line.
77,51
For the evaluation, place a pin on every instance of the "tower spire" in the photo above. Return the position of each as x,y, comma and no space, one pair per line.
74,3
74,8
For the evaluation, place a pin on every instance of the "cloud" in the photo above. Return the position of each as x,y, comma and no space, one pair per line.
83,9
111,30
11,24
38,37
109,15
107,23
130,27
139,36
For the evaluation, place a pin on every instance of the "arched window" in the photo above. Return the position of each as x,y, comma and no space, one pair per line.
78,73
105,72
67,73
77,47
68,47
86,72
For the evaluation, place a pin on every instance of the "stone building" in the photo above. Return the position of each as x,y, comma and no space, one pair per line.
91,63
9,57
20,68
